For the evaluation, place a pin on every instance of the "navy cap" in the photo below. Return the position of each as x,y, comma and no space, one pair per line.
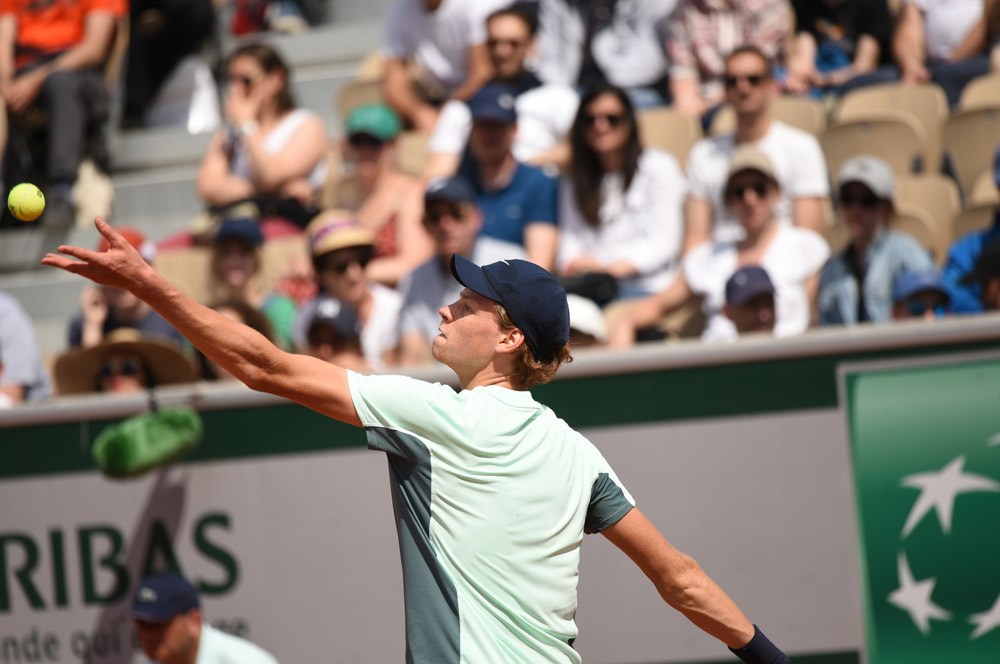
163,596
449,190
338,316
987,265
246,230
910,283
535,300
746,284
494,102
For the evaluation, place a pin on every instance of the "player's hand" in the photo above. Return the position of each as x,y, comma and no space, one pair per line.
120,266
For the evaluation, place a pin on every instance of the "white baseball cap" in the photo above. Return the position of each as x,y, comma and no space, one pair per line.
870,171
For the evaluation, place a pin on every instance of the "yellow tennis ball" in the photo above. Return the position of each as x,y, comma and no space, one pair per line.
26,202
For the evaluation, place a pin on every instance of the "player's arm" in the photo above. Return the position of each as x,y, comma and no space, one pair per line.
241,351
686,587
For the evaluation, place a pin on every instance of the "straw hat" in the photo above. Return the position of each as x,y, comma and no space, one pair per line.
337,229
75,371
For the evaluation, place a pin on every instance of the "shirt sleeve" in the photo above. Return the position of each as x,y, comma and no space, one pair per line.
116,7
405,404
876,22
813,252
398,42
661,223
452,129
571,227
609,502
543,204
810,179
697,178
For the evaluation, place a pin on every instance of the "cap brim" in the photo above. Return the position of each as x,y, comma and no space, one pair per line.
473,277
751,293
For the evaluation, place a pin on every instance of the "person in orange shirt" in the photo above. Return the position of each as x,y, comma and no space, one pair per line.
52,54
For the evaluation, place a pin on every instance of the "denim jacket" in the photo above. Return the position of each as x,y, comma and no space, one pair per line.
890,254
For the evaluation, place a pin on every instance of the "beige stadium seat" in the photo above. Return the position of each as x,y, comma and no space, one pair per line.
976,217
984,190
917,222
668,130
187,269
937,194
981,92
893,136
358,93
412,151
970,140
927,103
803,113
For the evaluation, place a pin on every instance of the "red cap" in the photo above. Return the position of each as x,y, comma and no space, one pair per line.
134,237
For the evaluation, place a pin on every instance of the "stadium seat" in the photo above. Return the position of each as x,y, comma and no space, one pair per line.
981,92
894,136
803,113
668,130
984,190
927,103
975,217
937,195
917,222
187,269
357,93
412,151
970,139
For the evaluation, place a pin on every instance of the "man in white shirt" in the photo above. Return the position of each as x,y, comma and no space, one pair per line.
796,155
446,40
169,627
545,112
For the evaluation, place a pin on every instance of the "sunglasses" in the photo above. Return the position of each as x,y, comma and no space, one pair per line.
513,43
119,366
341,267
866,202
245,81
613,119
454,211
737,192
752,79
918,308
365,141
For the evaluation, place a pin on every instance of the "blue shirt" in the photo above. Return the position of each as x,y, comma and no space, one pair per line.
962,257
530,197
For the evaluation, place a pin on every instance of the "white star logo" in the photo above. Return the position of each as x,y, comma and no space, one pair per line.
987,620
938,491
914,597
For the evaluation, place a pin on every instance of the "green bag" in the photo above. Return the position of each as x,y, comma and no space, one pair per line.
134,446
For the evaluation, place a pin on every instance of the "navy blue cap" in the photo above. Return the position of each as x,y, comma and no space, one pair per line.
535,300
746,284
163,596
247,230
910,283
494,102
449,190
338,316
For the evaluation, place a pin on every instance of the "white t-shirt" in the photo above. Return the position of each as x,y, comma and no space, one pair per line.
439,41
274,143
794,255
544,117
217,647
644,225
432,286
946,23
492,495
798,163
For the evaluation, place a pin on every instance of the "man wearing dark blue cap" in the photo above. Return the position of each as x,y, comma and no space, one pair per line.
168,625
492,492
750,300
519,202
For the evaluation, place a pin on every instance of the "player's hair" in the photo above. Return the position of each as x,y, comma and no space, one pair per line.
269,60
528,371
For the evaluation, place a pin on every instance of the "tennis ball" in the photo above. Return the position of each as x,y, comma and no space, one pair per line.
26,202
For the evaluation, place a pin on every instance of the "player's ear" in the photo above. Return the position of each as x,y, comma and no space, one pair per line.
510,340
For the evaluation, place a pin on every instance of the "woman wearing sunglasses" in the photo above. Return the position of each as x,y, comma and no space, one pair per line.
856,285
792,257
342,249
620,206
385,199
270,152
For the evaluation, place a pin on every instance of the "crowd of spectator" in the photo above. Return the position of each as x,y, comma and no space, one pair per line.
534,150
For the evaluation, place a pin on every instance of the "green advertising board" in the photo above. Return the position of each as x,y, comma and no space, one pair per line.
925,440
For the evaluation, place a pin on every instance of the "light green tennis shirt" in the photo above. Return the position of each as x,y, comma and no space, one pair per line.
492,495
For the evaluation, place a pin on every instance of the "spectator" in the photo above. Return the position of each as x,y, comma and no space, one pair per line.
271,153
962,258
544,111
837,41
621,206
22,375
445,39
796,155
856,284
235,275
333,335
919,294
586,42
166,611
105,309
384,199
52,57
124,362
237,310
750,300
519,202
791,256
341,250
702,33
453,220
986,275
586,323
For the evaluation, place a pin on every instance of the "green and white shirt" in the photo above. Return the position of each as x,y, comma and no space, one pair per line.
492,495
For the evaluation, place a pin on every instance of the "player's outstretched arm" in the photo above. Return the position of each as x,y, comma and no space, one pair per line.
243,352
686,587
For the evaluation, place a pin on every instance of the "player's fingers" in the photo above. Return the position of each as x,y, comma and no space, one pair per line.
61,262
110,234
79,252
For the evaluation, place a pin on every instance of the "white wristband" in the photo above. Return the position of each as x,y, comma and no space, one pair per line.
248,128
